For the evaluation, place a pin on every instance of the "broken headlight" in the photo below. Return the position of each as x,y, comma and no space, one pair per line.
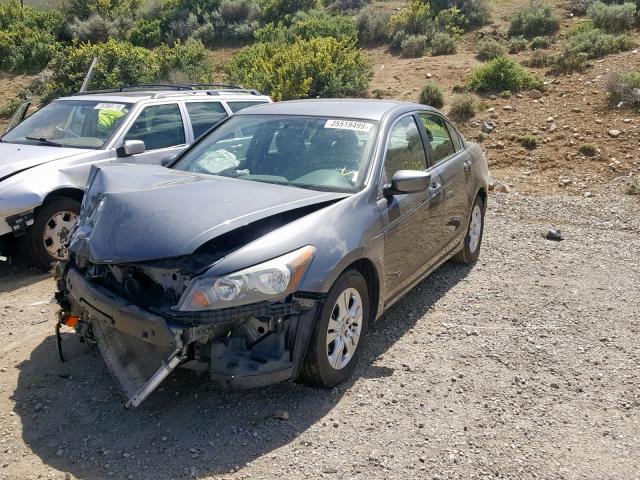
265,281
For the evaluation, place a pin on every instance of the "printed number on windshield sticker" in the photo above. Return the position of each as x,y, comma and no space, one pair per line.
109,106
348,125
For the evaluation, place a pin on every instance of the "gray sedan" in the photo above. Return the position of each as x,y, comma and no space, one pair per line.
268,248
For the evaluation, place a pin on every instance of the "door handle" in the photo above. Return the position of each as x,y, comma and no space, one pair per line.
467,166
435,185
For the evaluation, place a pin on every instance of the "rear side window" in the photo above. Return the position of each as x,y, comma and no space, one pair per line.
204,115
438,136
237,106
158,126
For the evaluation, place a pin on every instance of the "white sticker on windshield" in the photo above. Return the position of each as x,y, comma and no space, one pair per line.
348,125
109,106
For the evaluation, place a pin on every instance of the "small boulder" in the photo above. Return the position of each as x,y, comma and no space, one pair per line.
614,133
535,94
553,234
488,127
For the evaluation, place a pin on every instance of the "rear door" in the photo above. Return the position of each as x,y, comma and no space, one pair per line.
163,130
451,163
203,116
412,222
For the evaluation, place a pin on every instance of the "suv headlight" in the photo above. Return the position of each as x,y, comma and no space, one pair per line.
265,281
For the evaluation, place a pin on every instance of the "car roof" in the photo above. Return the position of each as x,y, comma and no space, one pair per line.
140,95
367,109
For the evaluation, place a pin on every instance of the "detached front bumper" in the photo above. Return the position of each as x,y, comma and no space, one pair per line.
247,346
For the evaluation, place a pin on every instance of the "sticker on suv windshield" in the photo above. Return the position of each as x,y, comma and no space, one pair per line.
348,125
109,106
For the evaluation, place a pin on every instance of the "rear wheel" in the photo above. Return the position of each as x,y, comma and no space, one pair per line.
338,335
50,231
473,238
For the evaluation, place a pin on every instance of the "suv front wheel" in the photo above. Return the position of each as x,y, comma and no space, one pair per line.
45,240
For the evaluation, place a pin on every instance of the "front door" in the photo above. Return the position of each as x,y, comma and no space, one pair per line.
161,128
412,222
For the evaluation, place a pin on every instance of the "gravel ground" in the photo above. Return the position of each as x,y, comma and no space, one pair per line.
525,366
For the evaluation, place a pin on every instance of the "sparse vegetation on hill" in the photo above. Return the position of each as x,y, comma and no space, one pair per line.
463,107
489,49
624,89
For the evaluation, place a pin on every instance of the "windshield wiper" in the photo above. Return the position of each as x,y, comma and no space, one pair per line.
44,141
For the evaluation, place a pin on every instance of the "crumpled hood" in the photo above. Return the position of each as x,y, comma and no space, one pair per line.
16,157
136,213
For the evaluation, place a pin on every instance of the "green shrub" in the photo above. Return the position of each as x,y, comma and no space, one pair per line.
9,108
145,33
235,20
528,141
540,60
533,21
443,44
184,61
318,67
283,10
472,13
595,43
612,18
431,95
463,107
13,17
540,42
346,5
489,48
625,89
579,7
632,188
501,74
84,9
97,28
318,23
588,150
372,27
413,46
25,49
518,44
120,64
418,18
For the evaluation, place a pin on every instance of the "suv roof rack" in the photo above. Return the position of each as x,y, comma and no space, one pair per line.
191,88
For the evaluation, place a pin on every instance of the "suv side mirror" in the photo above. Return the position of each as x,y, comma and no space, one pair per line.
131,147
407,181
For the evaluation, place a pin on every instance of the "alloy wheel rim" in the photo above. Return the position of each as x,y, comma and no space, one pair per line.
56,232
475,228
345,326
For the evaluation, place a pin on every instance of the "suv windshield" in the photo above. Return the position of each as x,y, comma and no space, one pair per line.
320,153
70,123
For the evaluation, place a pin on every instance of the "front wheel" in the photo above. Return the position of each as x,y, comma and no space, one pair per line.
338,335
45,240
473,238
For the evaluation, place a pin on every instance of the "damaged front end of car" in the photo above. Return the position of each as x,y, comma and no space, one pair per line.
148,321
246,328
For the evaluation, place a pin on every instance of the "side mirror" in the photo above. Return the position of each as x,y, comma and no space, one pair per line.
407,181
166,160
131,147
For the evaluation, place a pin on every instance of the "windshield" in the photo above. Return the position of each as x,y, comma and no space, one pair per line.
320,153
70,123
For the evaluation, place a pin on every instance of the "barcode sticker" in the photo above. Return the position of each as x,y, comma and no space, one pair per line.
348,125
109,106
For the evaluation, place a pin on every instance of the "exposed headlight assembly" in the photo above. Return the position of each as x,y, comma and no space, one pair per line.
265,281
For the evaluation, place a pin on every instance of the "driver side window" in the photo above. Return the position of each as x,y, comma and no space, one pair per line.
158,126
404,148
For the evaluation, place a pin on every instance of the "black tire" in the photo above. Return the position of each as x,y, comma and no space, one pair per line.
316,369
466,255
34,239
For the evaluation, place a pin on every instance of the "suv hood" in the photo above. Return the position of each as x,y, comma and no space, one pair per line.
16,157
138,213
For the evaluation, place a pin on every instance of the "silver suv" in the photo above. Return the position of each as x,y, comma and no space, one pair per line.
46,158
